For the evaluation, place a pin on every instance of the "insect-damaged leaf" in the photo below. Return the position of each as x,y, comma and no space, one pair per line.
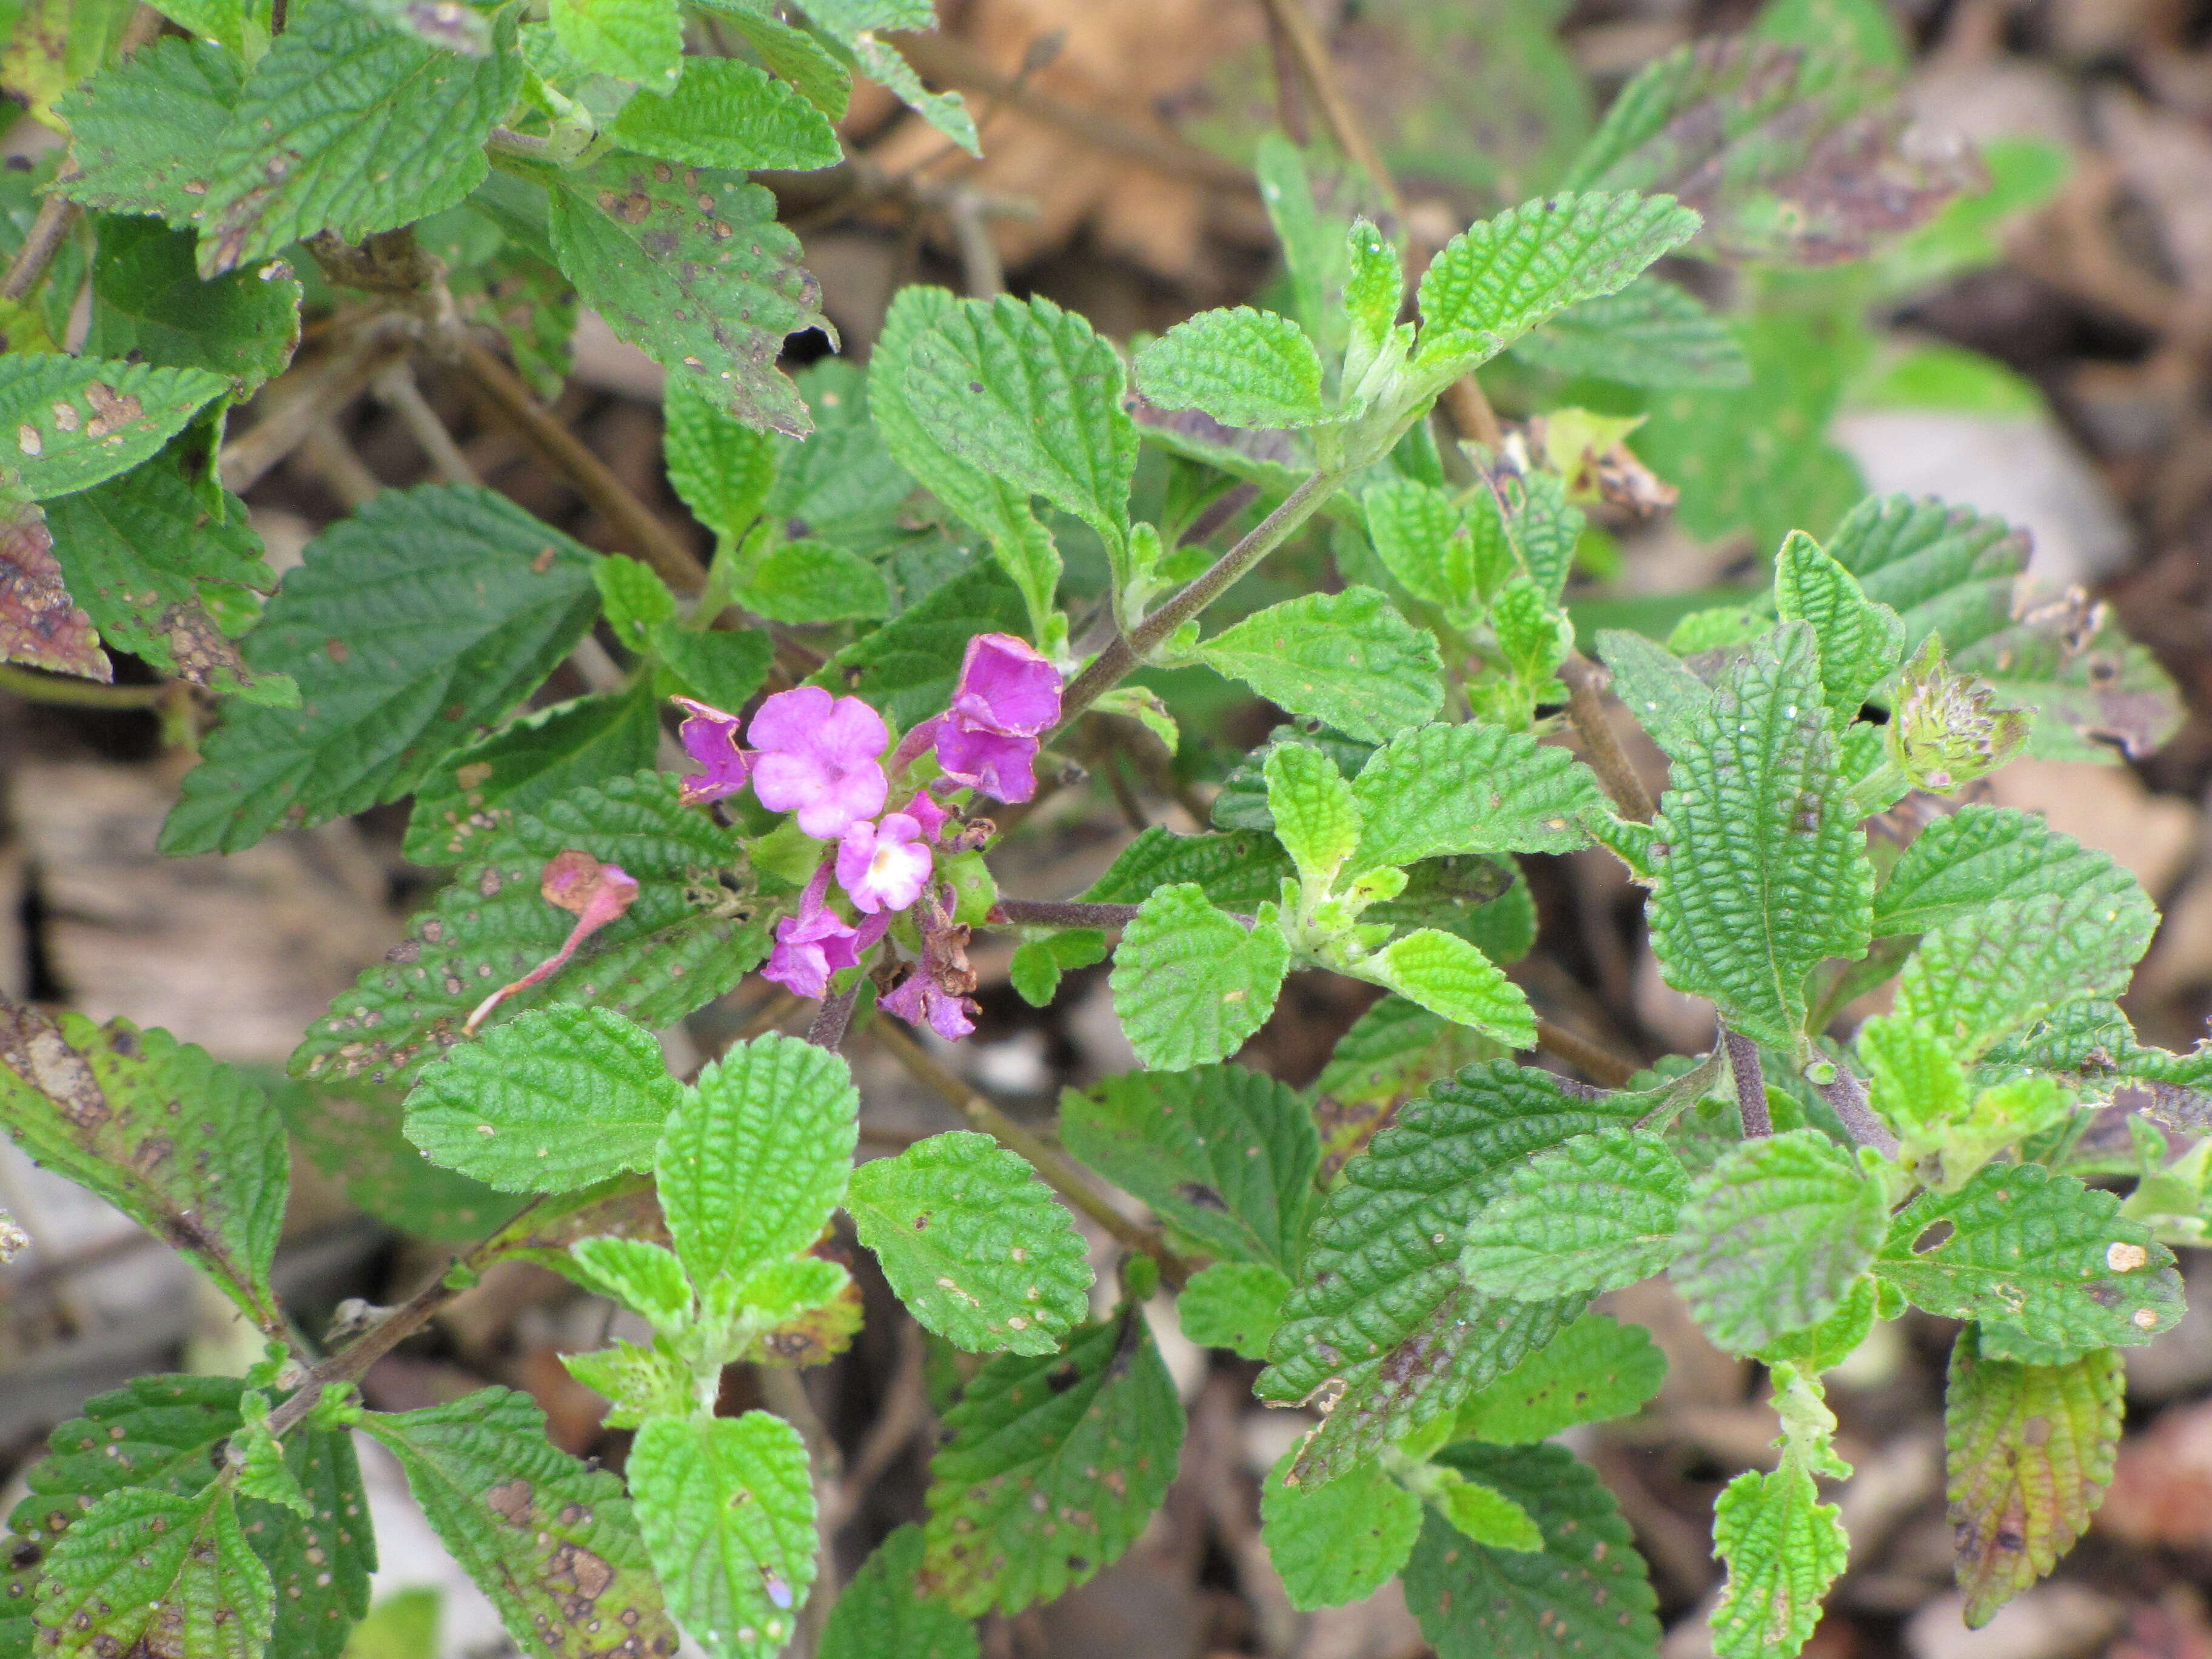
186,1147
39,624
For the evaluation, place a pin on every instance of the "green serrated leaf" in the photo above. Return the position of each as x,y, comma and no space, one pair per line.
1767,873
640,1274
640,40
2029,1453
725,1505
974,1244
1981,855
68,422
1190,983
2038,1252
424,617
1592,1214
1861,643
1449,976
258,1456
1224,1156
690,267
551,1540
1337,1542
721,468
1590,1371
1584,1592
1999,969
1447,556
1774,1235
151,566
1651,333
1348,658
157,1571
1667,700
1315,818
636,601
1031,394
677,947
637,1382
1235,1305
814,582
183,1145
1481,1513
1051,1466
1243,366
1828,1342
526,767
881,1615
723,113
721,669
1470,788
144,131
756,1156
1380,1305
1038,963
1951,570
908,668
553,1100
1243,870
161,1434
1783,1548
792,53
148,305
351,127
1497,280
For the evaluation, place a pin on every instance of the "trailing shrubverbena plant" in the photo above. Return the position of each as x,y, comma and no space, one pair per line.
1416,1263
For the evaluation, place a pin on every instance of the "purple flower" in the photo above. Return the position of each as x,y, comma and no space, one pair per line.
816,943
1008,693
918,1001
924,811
710,736
883,867
817,758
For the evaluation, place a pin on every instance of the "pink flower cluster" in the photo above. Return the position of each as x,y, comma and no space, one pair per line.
820,757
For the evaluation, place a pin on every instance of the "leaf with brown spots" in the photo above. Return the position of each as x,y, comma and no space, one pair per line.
552,1542
2029,1453
143,131
154,1573
68,422
1052,1465
38,624
167,580
688,265
186,1147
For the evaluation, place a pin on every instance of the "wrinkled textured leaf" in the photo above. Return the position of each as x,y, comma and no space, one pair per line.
879,1615
424,617
551,1542
1336,1542
756,1156
640,40
147,558
1348,658
148,305
1497,280
908,668
1783,1548
1585,1592
1242,367
1592,1214
1774,1235
144,131
1050,1468
1981,855
1470,788
723,113
2037,1252
1651,333
1240,871
1235,1305
1766,873
186,1147
1667,699
677,947
155,1572
1450,555
721,468
1449,976
1380,1305
974,1244
349,126
2029,1455
553,1100
725,1505
1312,807
1224,1156
689,265
1189,983
1592,1370
1860,642
68,422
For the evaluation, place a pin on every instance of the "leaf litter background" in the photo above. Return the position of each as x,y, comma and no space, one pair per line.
1094,190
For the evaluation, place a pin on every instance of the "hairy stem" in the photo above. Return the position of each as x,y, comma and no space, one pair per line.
34,687
1053,913
1847,1097
1059,1171
1750,1084
637,523
1586,683
832,1017
1124,653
